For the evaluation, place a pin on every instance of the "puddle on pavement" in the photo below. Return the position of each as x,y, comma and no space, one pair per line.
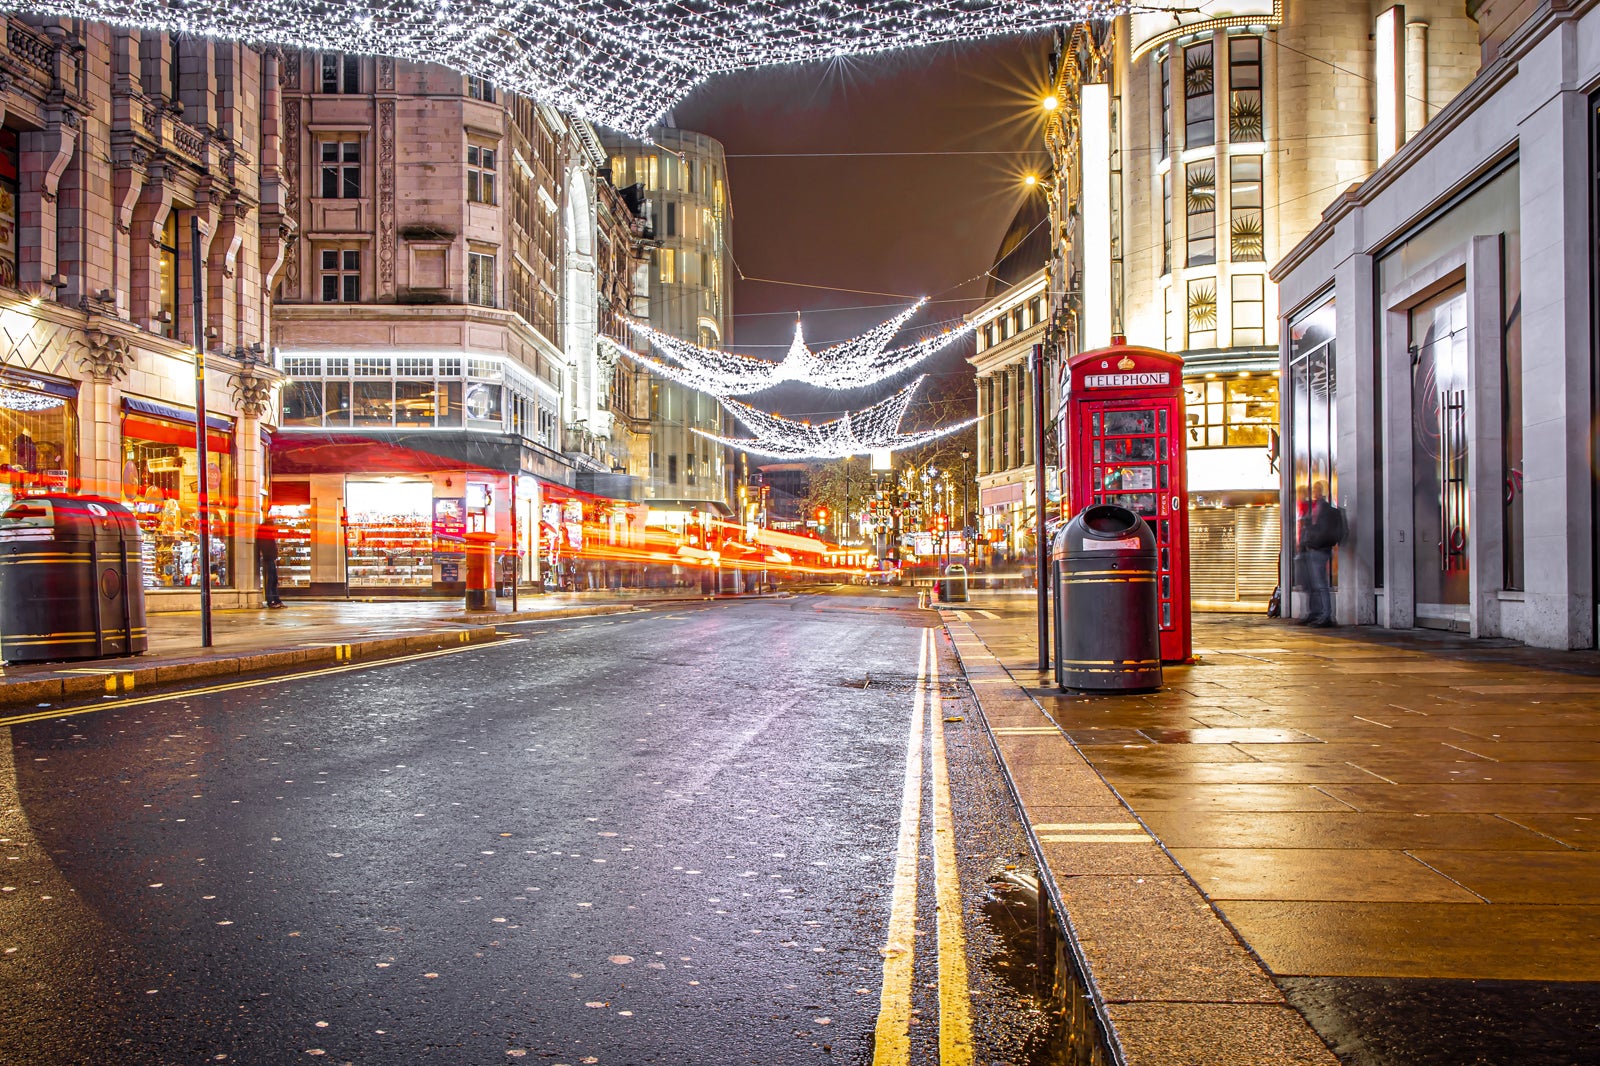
1037,964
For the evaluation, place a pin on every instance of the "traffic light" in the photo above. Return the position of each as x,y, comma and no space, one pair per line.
822,514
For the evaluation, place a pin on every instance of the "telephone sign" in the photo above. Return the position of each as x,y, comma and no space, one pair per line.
1123,443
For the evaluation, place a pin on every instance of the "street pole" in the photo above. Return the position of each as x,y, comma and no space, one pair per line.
1041,549
516,547
844,534
966,513
202,460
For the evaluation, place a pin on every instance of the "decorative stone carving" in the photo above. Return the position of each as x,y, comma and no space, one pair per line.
385,74
105,356
252,390
291,168
386,199
291,69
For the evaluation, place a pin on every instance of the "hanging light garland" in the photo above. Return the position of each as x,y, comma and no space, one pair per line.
872,429
619,63
856,363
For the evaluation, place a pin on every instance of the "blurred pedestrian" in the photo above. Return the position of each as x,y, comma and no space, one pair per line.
1324,529
268,534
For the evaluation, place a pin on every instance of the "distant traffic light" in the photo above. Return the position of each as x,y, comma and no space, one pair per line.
822,514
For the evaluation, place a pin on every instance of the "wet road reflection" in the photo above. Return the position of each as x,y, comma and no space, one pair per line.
666,838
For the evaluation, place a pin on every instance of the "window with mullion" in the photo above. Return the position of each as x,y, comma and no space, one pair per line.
1200,207
1246,235
341,73
341,170
1246,123
1166,105
480,279
1200,99
341,275
480,174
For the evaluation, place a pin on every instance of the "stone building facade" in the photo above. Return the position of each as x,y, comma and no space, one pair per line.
1007,326
1439,342
1227,132
115,143
437,317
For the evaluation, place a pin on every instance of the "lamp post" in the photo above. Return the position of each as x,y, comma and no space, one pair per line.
197,299
1041,549
948,495
966,512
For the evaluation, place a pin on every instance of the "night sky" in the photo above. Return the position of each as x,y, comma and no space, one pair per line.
910,225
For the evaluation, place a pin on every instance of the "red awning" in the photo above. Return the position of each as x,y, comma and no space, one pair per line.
160,432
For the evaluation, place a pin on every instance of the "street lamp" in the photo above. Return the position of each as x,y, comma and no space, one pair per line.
966,509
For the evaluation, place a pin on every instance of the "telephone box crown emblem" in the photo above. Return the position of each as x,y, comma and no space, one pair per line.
1125,363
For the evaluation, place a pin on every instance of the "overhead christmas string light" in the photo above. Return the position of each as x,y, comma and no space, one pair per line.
619,63
872,429
856,363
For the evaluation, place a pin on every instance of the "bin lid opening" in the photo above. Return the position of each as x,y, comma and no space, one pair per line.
1107,519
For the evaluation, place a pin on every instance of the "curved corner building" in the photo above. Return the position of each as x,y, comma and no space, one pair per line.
682,177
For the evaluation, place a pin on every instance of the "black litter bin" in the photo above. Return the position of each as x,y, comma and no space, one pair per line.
71,585
955,584
1107,635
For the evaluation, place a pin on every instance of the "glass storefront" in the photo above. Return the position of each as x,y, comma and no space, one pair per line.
415,391
161,485
38,437
390,533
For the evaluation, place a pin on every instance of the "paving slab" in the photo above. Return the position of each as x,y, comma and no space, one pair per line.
1358,805
1216,1034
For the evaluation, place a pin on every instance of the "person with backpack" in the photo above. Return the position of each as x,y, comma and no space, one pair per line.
1322,530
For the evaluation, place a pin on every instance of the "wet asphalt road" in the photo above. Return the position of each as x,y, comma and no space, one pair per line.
666,837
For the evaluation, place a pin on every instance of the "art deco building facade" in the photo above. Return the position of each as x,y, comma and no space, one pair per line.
437,316
114,143
1210,147
684,176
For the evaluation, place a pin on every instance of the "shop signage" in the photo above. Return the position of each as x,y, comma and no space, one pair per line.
1149,379
449,518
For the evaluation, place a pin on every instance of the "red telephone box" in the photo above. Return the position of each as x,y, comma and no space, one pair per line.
1123,443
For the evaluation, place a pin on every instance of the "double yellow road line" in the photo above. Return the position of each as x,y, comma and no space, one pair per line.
892,1044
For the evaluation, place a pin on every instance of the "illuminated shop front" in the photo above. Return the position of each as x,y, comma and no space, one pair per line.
1231,411
161,485
389,525
38,436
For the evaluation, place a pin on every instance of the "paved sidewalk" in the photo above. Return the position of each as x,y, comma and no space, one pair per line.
304,635
1401,831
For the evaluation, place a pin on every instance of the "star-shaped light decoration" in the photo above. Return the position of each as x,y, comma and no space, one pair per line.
853,364
618,63
872,429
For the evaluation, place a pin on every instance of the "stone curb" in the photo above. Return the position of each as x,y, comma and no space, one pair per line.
120,680
1170,980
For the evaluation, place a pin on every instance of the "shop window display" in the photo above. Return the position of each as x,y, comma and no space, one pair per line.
390,533
38,429
161,485
294,545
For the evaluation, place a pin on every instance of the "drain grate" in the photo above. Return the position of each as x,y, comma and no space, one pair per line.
892,682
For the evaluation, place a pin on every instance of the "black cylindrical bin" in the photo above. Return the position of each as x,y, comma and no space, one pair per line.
955,584
71,584
1108,636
